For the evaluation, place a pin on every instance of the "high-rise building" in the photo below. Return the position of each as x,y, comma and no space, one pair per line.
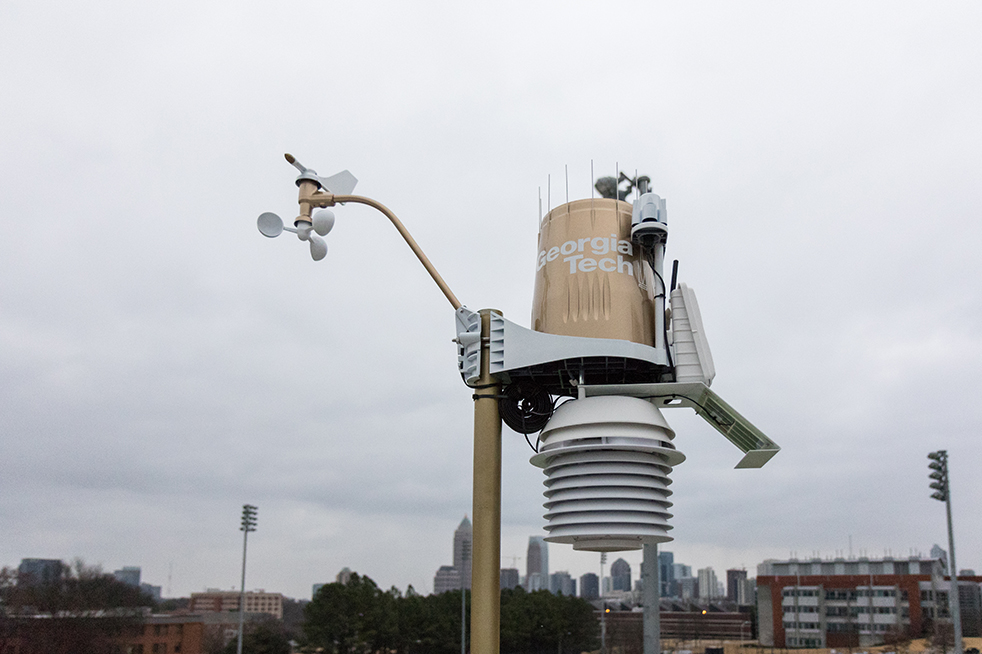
129,575
463,540
708,584
589,586
748,592
681,570
537,564
735,585
970,605
446,578
41,571
343,577
509,578
536,581
666,574
450,577
155,592
688,587
620,575
842,603
560,583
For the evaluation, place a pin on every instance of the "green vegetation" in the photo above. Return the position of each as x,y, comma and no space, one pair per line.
360,617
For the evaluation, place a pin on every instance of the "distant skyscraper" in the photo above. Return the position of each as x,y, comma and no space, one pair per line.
560,583
41,571
589,586
682,570
688,587
666,574
155,592
509,578
343,577
748,593
129,575
463,540
708,584
537,564
450,577
620,575
446,578
734,585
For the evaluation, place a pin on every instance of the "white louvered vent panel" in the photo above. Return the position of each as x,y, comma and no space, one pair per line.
607,461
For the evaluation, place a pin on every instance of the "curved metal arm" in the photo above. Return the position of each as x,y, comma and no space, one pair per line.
311,197
409,240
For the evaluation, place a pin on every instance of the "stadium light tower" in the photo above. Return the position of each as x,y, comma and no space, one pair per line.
611,337
942,492
248,524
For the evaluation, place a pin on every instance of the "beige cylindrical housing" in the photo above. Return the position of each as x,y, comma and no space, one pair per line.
590,279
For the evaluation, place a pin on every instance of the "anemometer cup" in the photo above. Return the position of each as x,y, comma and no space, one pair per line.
323,221
270,225
318,247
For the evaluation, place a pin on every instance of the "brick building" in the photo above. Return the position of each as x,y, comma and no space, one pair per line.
625,629
256,601
855,602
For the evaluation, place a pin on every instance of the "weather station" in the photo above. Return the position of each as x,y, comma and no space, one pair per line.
611,344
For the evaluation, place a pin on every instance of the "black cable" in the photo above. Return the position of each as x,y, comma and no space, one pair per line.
525,407
664,290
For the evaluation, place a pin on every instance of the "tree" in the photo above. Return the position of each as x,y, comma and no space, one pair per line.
542,622
353,617
293,617
80,610
359,618
942,636
898,638
261,637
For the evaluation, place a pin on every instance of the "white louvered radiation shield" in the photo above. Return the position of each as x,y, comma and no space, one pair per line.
607,461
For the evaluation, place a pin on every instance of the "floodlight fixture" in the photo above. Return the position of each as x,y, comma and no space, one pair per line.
939,473
248,517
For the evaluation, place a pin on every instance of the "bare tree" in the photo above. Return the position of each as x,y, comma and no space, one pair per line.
80,610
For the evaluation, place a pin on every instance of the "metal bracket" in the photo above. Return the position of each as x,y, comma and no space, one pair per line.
758,449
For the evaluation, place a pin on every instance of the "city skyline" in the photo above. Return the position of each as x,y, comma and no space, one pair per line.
695,569
162,363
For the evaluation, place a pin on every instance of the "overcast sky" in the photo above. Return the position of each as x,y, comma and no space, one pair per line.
161,363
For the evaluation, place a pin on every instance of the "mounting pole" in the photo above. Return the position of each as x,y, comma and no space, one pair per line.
486,560
651,590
